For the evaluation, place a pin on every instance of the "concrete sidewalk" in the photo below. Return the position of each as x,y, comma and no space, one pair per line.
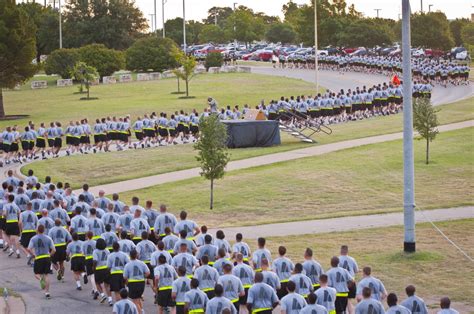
140,183
346,223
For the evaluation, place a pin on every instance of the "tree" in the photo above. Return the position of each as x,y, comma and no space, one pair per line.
367,33
212,33
281,32
431,30
46,20
188,64
174,30
467,34
219,14
151,53
425,122
62,62
17,47
105,60
455,27
248,27
86,75
212,150
214,59
193,30
116,24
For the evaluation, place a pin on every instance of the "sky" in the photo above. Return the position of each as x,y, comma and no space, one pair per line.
197,9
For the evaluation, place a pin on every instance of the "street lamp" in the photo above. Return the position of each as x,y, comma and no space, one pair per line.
235,35
429,7
151,22
60,22
378,10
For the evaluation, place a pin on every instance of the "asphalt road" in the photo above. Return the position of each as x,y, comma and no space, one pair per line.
335,81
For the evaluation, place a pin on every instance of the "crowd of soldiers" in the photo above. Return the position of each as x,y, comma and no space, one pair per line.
121,250
426,70
43,141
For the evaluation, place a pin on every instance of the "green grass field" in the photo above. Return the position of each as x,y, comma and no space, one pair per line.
437,269
129,164
358,181
137,98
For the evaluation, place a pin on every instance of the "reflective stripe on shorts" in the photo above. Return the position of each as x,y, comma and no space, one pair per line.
261,310
41,256
342,294
136,280
101,267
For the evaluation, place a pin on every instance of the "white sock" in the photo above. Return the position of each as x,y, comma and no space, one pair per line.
17,251
1,241
78,283
109,299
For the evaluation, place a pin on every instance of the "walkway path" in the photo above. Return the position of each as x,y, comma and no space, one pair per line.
345,223
140,183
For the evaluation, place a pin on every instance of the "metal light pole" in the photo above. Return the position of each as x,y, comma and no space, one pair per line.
154,11
235,35
429,7
163,15
184,25
60,27
421,6
378,10
316,71
151,22
408,162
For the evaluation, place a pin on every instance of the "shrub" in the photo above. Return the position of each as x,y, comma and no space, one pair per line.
151,53
105,60
61,62
214,59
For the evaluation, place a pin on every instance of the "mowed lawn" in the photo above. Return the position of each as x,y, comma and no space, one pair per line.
437,269
138,98
119,166
363,180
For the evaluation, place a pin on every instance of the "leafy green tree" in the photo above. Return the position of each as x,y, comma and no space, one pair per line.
46,20
188,64
61,62
17,47
212,33
151,53
425,122
431,30
115,23
367,33
193,30
281,32
174,30
248,27
218,13
85,74
212,150
467,34
105,60
214,59
455,26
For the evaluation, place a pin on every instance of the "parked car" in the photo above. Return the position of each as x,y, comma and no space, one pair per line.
459,53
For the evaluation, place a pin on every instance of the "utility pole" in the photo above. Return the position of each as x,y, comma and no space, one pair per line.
184,26
378,10
215,16
408,159
429,8
316,71
163,15
421,6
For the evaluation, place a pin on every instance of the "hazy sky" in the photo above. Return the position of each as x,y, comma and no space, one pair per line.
197,9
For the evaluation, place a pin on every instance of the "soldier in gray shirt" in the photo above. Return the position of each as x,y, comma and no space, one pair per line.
312,307
376,286
293,302
339,278
445,304
233,288
219,303
393,307
261,297
368,304
195,300
415,304
124,306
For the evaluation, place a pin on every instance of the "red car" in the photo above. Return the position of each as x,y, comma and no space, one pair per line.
434,53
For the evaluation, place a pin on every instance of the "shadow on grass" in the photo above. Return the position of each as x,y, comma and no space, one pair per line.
424,256
14,117
178,93
90,98
187,97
